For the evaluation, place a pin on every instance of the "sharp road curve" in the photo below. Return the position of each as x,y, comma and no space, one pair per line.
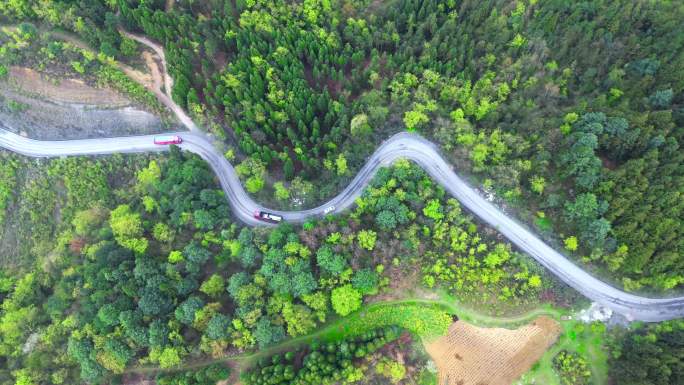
402,145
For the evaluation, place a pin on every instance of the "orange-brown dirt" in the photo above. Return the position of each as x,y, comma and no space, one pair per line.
470,355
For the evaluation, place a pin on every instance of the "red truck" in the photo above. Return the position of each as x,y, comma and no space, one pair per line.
167,139
267,217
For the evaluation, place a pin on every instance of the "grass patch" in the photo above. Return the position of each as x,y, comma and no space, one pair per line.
425,318
543,223
585,339
477,318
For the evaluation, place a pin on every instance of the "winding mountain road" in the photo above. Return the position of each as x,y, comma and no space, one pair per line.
402,145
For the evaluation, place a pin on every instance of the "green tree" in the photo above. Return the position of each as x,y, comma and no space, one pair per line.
152,302
213,286
218,327
345,299
329,261
127,228
158,333
572,368
281,192
267,334
365,281
108,314
649,355
299,319
571,243
433,210
367,239
170,357
185,312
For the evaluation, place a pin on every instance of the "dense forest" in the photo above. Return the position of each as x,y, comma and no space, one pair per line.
311,86
650,355
158,274
569,113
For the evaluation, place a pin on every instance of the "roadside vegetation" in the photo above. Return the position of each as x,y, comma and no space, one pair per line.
156,273
307,90
568,115
153,273
39,199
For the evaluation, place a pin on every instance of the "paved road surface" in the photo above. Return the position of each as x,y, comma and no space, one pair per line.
403,145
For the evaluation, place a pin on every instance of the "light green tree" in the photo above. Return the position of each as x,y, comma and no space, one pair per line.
367,239
169,358
359,125
433,210
149,176
413,120
537,184
162,232
254,184
281,192
23,377
571,243
127,229
299,319
345,299
341,165
534,281
213,286
176,257
391,369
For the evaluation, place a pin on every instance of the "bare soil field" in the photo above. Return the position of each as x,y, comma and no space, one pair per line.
470,355
62,90
52,109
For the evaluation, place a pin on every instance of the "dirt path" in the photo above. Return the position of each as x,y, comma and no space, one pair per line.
150,81
471,355
163,95
159,51
154,70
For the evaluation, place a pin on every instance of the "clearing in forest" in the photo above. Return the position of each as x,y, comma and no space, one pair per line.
63,90
470,355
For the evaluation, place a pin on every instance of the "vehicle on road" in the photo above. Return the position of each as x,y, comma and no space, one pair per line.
328,210
267,217
167,139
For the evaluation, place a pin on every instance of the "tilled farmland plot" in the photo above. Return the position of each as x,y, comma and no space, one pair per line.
471,355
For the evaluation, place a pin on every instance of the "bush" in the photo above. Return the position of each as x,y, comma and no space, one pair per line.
572,368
